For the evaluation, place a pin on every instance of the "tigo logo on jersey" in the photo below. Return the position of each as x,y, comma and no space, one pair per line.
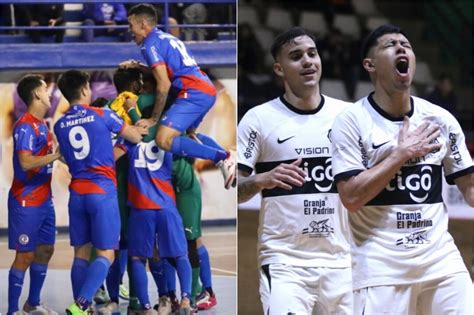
412,185
320,172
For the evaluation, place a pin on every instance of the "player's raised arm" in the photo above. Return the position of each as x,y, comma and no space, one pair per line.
357,190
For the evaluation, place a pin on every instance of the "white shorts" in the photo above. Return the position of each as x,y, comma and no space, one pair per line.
290,290
444,296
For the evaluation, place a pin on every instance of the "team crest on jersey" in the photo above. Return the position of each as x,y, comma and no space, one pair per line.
414,239
319,229
23,239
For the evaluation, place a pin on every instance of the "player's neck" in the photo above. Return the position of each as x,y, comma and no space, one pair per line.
304,100
37,111
396,104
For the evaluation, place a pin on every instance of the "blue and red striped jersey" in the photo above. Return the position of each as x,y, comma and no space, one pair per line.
84,136
149,175
163,48
31,188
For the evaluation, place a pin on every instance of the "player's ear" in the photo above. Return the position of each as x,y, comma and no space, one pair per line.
368,64
36,94
83,91
278,69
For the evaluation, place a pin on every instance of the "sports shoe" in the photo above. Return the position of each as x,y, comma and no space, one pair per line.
131,311
164,305
37,310
74,309
229,170
101,297
185,307
206,301
123,292
109,309
174,304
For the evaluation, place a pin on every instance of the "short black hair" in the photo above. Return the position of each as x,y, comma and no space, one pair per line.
144,9
287,37
99,102
27,85
71,82
371,39
124,78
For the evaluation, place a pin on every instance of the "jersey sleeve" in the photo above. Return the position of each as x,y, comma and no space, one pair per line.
457,161
114,123
248,142
151,55
122,144
24,138
348,153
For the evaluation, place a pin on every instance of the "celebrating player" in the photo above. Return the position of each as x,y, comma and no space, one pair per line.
174,68
303,244
84,136
389,152
31,218
154,218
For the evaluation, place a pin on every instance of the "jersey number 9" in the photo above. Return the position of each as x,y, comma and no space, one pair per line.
79,140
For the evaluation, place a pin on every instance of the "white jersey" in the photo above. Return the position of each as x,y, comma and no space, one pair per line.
306,226
400,236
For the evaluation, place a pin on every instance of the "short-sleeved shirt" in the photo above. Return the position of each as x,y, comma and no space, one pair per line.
84,136
160,48
31,188
305,226
400,236
149,176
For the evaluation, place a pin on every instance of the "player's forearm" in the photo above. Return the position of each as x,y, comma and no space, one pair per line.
247,188
160,101
31,162
466,187
356,191
132,134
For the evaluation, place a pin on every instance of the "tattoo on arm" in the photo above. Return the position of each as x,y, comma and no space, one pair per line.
247,188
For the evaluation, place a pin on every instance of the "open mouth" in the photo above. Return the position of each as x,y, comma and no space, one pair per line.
308,72
402,65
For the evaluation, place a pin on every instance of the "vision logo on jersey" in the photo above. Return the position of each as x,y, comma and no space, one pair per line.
319,229
312,151
412,185
251,144
414,239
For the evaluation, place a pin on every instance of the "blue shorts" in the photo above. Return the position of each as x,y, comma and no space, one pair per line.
29,227
186,113
164,227
94,218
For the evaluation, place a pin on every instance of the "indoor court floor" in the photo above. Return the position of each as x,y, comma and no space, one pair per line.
57,293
